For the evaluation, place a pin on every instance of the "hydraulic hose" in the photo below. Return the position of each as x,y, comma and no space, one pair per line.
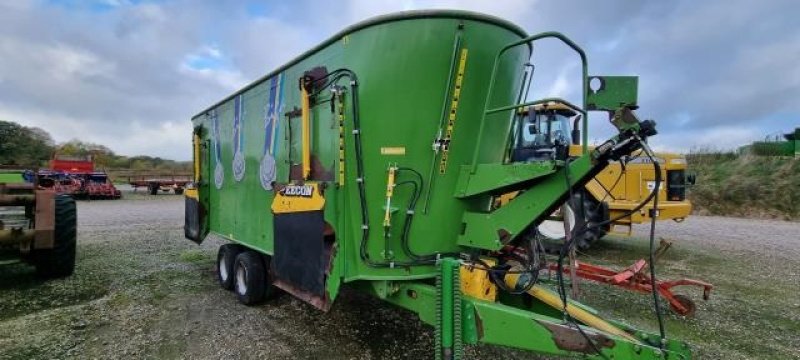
562,289
656,299
330,79
405,243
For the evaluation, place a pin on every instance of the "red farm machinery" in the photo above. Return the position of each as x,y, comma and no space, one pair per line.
76,176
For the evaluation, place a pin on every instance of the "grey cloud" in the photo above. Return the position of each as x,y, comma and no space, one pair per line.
720,69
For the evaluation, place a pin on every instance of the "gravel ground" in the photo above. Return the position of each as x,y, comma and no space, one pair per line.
777,240
142,291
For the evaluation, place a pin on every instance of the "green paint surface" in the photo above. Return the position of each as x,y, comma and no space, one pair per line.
402,68
402,63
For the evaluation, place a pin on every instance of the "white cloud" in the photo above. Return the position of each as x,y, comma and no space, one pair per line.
69,63
226,79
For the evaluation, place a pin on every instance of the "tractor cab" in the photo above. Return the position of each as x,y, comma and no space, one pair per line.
542,132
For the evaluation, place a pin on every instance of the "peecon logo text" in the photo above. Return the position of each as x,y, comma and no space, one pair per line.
298,190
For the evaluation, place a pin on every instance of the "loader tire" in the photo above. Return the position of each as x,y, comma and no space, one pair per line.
59,261
591,212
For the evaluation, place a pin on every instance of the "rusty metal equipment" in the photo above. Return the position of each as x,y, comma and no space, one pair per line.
155,182
635,278
37,225
76,176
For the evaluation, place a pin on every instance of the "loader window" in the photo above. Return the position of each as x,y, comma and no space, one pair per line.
544,130
541,136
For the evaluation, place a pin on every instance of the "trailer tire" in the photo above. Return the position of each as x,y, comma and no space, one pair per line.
226,257
587,214
178,191
250,278
270,291
59,261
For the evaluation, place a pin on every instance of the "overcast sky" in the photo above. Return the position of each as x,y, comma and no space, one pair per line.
129,74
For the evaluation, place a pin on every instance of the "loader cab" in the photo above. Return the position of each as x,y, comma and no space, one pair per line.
543,132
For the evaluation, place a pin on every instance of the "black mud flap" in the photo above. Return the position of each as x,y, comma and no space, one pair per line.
301,260
192,227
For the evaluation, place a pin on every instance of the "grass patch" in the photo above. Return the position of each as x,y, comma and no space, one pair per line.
745,318
750,186
21,291
195,256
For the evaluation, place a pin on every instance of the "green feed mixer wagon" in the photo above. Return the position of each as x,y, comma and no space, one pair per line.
374,160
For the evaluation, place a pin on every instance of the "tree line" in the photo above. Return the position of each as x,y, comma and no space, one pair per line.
34,147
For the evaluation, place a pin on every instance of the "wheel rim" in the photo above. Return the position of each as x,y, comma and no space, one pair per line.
554,229
241,280
223,270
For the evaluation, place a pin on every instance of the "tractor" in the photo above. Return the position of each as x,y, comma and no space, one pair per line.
37,225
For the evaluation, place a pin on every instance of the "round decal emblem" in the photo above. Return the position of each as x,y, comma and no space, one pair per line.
219,176
267,172
238,166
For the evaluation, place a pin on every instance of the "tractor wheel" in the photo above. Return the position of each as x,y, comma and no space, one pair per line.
225,261
585,212
60,260
250,277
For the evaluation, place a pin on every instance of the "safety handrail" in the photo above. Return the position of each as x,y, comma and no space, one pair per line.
529,40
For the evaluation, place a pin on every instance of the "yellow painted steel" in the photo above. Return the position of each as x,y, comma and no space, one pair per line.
451,119
196,143
393,150
634,185
340,116
306,133
552,299
475,282
298,198
387,216
191,193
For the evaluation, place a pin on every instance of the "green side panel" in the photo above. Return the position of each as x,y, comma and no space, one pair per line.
401,105
402,67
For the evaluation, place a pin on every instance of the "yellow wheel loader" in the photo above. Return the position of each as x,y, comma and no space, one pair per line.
552,128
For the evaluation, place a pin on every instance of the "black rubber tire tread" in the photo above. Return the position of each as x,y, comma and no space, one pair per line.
227,255
592,212
178,191
270,291
59,261
255,277
153,188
